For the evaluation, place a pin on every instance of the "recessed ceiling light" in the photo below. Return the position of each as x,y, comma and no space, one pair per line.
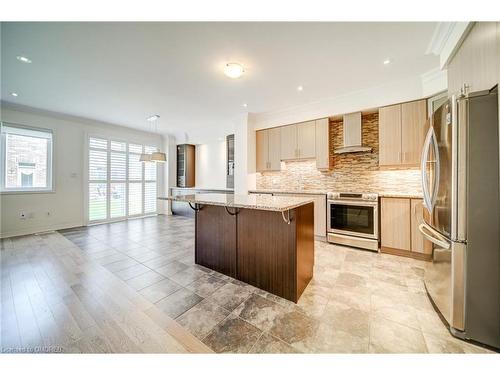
153,118
245,105
387,61
23,59
14,94
300,88
233,70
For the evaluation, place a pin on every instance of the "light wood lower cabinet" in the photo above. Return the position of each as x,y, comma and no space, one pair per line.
418,242
400,218
319,211
395,223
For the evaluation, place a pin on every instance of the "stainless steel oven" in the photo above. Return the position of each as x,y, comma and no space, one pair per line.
352,219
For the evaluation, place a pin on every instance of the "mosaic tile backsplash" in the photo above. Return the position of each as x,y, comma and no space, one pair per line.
349,172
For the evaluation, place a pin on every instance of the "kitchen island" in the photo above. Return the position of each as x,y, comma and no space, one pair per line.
265,241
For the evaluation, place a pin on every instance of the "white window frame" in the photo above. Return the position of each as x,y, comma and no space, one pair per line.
3,160
109,181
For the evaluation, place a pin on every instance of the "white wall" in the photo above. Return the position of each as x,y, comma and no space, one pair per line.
66,203
210,165
374,97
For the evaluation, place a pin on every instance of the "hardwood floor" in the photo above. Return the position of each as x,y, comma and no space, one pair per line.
58,295
133,287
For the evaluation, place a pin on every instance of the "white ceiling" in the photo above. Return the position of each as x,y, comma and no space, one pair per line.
123,72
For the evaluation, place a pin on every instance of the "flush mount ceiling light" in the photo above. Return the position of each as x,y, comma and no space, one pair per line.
387,61
300,88
233,70
14,94
153,118
23,59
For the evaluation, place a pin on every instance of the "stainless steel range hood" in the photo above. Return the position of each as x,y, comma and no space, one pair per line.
352,135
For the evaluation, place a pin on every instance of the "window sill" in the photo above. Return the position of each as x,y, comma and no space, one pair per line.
15,192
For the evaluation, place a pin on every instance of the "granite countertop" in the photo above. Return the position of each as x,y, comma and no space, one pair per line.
385,194
256,202
201,188
281,191
413,195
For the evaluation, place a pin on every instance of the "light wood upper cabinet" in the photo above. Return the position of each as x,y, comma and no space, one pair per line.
274,149
474,64
418,242
298,141
395,223
389,135
322,144
413,128
306,140
289,142
401,133
268,150
262,150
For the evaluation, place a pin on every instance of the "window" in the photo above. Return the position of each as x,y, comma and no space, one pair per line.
25,159
120,185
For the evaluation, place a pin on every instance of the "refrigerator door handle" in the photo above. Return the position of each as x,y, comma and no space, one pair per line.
434,236
429,198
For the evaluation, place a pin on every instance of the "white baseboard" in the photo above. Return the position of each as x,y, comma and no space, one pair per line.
40,229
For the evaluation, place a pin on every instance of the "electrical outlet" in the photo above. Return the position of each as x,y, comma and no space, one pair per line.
22,215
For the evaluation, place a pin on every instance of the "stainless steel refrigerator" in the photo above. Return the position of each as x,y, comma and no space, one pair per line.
460,181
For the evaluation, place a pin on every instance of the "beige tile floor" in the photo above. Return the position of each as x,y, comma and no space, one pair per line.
109,288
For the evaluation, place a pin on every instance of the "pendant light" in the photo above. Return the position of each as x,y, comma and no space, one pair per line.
147,157
158,156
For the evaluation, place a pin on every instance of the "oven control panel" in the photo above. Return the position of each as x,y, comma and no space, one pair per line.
353,196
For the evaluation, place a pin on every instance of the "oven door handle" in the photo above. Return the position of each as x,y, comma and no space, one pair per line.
354,203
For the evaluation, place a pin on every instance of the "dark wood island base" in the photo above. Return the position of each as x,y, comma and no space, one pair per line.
258,246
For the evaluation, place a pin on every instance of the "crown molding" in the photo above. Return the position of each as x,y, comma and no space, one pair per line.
439,38
434,81
446,39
